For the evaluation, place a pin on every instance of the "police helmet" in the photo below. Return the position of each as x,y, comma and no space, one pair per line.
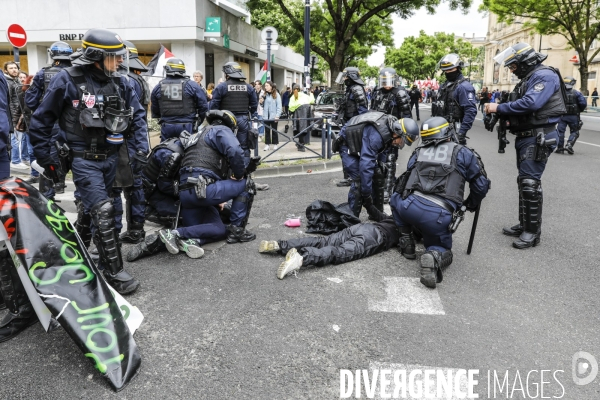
353,75
569,82
450,61
387,77
100,43
76,54
174,66
434,130
407,128
222,117
133,58
233,70
521,55
60,51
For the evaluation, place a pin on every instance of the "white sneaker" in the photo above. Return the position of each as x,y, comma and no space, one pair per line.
191,248
293,262
19,166
268,246
266,148
275,147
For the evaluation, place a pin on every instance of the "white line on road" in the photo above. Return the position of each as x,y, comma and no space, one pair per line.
408,295
591,144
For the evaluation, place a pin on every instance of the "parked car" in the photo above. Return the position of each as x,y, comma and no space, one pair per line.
325,105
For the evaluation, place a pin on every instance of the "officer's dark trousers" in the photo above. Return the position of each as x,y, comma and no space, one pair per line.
572,121
168,130
217,193
138,206
416,105
429,218
353,243
242,135
351,167
203,224
526,164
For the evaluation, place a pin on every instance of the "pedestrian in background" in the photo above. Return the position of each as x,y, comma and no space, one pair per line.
23,124
209,90
285,100
483,98
271,113
595,97
18,151
260,94
198,79
415,97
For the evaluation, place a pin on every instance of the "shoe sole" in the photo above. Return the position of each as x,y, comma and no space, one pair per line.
409,256
170,248
533,244
192,251
129,290
515,234
286,267
265,247
128,240
16,334
428,262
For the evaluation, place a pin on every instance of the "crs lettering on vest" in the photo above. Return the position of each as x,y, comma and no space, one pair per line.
172,91
237,88
440,154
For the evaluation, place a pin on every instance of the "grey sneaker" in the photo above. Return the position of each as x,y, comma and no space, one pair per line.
191,248
268,246
293,262
170,240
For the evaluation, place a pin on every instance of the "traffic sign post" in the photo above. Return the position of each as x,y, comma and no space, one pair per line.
17,36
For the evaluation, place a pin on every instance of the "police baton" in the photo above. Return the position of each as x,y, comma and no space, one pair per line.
473,229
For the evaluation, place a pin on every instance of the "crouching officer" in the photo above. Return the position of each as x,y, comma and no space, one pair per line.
456,102
238,97
204,184
535,106
576,103
93,105
431,191
178,102
363,144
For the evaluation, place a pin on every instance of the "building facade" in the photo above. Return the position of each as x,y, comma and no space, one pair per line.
205,34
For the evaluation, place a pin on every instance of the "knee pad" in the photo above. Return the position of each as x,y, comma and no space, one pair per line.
103,214
531,189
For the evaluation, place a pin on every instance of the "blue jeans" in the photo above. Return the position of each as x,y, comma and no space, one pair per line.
19,147
30,153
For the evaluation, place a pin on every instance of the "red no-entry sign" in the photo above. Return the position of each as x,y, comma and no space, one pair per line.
16,35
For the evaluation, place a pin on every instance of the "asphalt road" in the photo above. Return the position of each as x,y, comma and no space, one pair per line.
225,327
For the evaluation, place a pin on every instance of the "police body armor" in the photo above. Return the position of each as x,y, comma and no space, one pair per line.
394,102
173,101
360,98
153,171
435,173
49,73
571,103
237,99
94,114
201,155
554,107
145,99
447,106
356,125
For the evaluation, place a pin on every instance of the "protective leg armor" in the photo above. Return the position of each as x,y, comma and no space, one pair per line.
516,230
390,177
432,262
107,242
239,233
407,242
356,209
379,187
135,231
531,191
571,143
82,224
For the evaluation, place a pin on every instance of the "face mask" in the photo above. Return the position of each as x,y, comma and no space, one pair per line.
451,76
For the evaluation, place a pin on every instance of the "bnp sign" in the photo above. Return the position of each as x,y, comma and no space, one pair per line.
213,27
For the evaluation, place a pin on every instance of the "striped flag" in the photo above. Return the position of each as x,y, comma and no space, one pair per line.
262,75
157,64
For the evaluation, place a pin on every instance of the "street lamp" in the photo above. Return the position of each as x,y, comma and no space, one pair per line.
313,61
307,43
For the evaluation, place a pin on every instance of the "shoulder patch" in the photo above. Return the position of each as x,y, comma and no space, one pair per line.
539,87
470,96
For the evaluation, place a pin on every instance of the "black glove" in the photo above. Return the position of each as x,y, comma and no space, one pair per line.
470,204
51,171
367,201
254,162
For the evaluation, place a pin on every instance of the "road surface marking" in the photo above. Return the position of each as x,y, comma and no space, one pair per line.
408,295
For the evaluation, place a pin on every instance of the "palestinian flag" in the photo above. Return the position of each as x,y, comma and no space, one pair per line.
157,64
262,75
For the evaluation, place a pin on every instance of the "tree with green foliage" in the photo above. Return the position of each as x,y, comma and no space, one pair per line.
366,70
576,20
418,57
341,31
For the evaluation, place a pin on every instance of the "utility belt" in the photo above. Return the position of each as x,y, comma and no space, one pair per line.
95,154
436,200
199,185
535,131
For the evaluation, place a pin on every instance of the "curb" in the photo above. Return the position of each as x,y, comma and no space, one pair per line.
292,169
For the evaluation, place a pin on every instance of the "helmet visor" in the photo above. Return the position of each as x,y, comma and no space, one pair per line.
111,62
505,57
387,80
340,78
448,62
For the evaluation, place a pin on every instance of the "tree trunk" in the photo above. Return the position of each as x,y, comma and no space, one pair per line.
584,74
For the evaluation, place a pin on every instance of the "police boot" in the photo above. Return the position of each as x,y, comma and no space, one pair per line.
569,148
2,304
150,245
135,233
107,242
407,242
238,234
532,216
560,150
82,224
432,262
344,182
516,230
60,186
20,312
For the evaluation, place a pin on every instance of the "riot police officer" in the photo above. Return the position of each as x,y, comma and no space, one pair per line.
204,184
534,107
363,143
5,266
137,147
394,100
456,101
238,97
94,106
178,102
575,104
59,53
431,191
